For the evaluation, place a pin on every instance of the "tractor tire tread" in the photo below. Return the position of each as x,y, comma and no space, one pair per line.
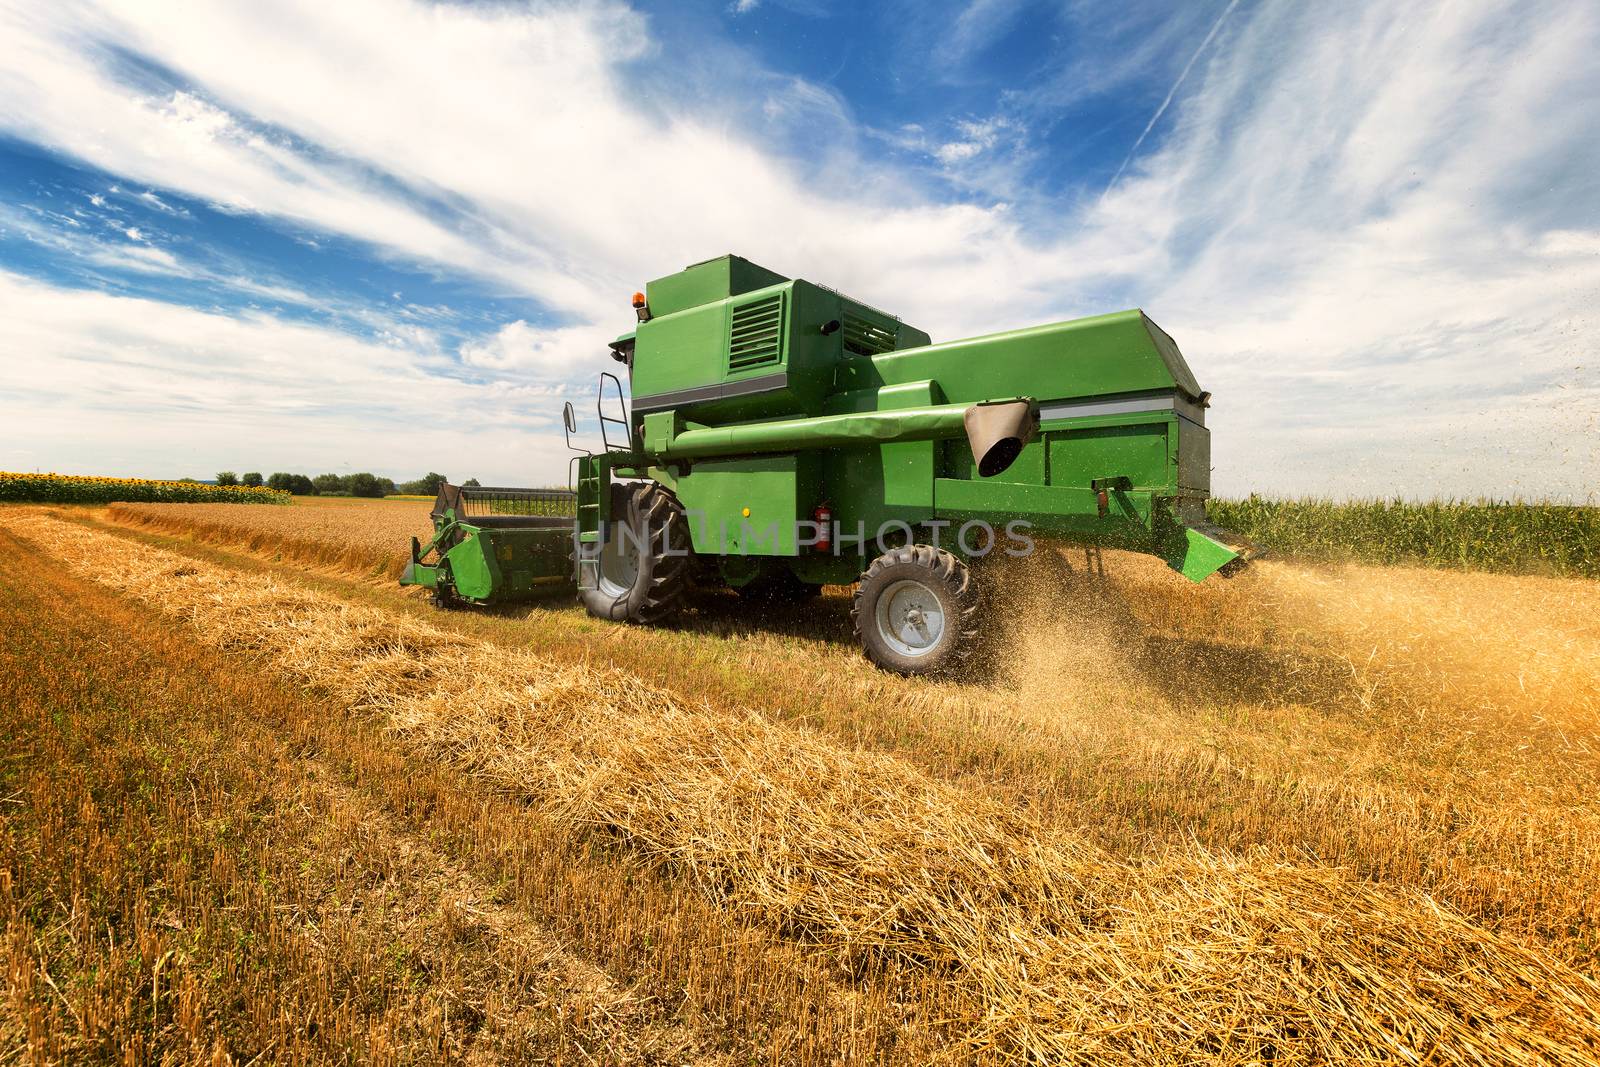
953,575
663,582
668,572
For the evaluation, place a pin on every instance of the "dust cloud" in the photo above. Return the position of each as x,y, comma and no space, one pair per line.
1443,669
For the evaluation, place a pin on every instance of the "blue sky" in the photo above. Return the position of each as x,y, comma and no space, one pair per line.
394,236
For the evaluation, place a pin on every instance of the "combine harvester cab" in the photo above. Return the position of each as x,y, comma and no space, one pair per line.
784,437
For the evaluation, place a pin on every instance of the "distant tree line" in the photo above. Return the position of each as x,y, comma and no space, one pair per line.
362,483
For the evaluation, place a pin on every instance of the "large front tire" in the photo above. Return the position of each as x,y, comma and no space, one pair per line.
916,611
643,571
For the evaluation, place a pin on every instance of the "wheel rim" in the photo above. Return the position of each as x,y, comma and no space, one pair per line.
910,618
619,563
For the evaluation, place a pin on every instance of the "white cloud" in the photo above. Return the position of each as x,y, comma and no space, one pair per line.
140,258
1365,224
177,391
150,199
551,354
975,137
77,244
542,139
1377,311
226,278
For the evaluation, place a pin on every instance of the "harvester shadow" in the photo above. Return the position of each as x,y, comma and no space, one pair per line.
822,621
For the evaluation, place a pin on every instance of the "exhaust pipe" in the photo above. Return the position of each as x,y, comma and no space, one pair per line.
997,430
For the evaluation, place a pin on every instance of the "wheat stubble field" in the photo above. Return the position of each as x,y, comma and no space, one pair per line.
261,805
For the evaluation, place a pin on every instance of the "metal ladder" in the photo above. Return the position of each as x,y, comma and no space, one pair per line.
589,486
593,478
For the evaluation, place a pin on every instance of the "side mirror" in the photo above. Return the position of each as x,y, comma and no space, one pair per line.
569,423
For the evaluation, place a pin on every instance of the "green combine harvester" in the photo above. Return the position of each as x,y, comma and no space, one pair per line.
784,437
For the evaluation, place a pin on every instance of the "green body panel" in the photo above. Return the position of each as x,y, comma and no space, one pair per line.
1062,510
1123,352
707,282
1076,456
1145,449
893,482
733,342
657,430
687,349
473,567
747,506
751,390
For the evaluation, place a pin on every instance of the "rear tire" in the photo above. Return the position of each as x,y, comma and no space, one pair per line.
916,611
644,570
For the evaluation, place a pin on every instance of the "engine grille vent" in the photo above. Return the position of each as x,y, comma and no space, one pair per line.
755,334
865,338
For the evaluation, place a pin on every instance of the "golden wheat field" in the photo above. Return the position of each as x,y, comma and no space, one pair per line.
260,805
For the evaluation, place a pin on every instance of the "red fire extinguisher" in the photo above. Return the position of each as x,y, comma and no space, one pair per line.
822,515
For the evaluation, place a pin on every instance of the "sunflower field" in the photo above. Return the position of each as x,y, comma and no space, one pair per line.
89,489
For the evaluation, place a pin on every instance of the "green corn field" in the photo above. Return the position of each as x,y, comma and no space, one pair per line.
1511,536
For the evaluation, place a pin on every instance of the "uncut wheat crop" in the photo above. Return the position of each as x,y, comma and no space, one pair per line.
366,535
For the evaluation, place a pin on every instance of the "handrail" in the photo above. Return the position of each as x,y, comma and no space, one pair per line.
599,410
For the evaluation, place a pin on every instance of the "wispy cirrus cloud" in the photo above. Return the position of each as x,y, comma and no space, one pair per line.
1166,101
